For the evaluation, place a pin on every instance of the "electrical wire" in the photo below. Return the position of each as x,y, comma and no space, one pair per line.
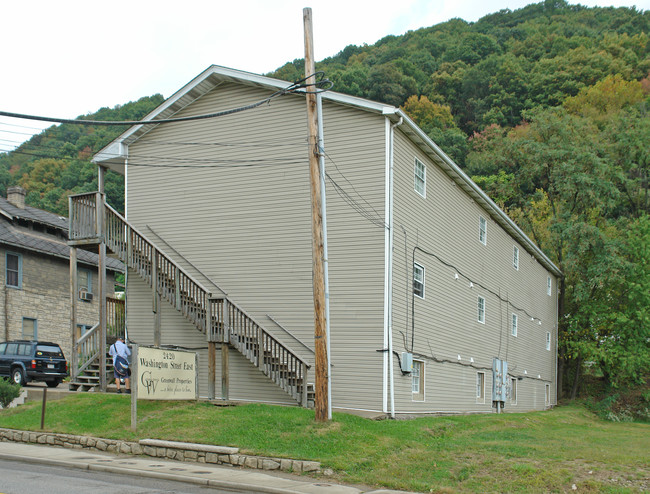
355,205
21,126
322,84
460,273
351,185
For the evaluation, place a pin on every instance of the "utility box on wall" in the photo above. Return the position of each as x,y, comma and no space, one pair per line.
407,362
499,380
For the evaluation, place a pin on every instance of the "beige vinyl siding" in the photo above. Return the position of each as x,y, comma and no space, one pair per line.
247,383
248,228
446,224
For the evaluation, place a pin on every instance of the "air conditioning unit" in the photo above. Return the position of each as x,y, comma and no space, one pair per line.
86,296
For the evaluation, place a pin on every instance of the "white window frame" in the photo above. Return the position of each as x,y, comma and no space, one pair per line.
481,309
548,341
480,387
549,286
35,325
420,178
19,272
515,257
482,230
418,267
513,390
417,380
514,324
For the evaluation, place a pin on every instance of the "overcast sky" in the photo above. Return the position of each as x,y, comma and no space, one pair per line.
68,58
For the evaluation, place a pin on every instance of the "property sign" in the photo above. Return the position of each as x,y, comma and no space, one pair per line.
166,374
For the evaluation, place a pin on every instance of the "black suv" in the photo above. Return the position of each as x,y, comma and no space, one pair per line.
25,361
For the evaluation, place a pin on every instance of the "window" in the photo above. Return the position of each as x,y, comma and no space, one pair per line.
548,341
513,390
547,395
14,270
420,178
85,280
515,257
417,375
549,286
513,329
480,387
482,230
30,328
418,280
481,310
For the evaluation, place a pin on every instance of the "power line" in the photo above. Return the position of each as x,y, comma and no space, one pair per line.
473,282
20,126
323,84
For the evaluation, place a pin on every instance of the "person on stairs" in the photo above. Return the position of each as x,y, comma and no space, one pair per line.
121,353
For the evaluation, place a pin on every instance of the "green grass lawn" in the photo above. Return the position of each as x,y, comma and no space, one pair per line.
531,452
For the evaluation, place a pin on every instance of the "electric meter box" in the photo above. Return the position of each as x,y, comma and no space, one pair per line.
407,362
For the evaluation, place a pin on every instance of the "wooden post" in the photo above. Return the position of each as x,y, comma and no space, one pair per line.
320,336
155,298
212,364
212,370
73,313
134,388
102,316
225,376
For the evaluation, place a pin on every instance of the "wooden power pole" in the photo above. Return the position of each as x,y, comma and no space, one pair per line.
320,336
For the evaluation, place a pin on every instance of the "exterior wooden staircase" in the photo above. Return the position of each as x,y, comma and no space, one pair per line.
219,318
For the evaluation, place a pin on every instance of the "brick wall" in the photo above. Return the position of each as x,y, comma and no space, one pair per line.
45,296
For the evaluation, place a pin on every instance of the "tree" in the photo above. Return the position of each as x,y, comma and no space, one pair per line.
437,121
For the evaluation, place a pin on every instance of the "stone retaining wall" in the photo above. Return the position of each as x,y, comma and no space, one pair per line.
171,450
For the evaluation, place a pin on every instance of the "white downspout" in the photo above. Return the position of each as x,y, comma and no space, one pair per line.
390,262
386,345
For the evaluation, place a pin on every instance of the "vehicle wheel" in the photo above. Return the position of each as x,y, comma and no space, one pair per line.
17,376
53,384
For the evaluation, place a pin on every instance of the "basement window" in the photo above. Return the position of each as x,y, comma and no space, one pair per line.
417,376
480,387
513,390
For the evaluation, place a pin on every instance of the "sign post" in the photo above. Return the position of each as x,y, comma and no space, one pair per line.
134,388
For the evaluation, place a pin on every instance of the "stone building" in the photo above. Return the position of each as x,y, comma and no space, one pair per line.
35,271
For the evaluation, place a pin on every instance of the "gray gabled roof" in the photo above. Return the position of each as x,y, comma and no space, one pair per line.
114,155
29,213
14,235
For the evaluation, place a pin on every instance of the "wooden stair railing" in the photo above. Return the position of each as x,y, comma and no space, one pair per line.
208,314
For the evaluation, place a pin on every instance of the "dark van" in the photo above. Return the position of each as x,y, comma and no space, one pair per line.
24,361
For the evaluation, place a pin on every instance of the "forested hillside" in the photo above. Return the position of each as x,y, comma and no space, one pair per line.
546,107
56,162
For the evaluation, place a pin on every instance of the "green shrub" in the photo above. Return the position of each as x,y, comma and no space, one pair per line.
8,392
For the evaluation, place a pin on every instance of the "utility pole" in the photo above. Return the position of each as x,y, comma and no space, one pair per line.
320,335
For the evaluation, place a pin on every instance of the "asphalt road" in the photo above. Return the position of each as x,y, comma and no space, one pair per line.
30,478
